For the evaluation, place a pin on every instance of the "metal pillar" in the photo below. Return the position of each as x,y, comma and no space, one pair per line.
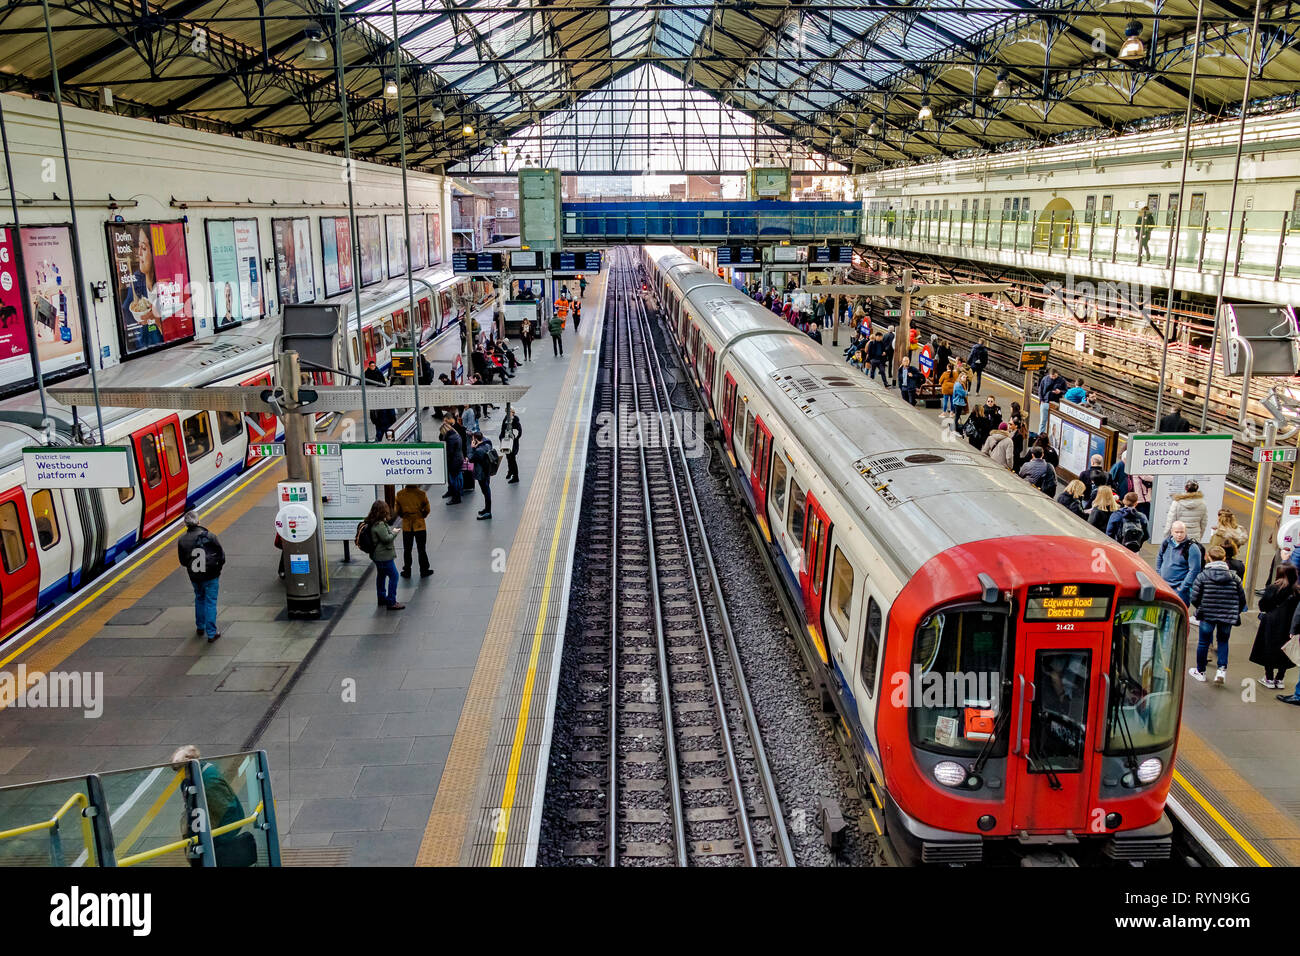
1257,509
352,211
413,320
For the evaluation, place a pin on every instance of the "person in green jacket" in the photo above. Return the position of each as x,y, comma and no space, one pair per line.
380,519
556,327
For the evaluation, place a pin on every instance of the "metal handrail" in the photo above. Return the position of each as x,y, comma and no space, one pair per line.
188,842
87,835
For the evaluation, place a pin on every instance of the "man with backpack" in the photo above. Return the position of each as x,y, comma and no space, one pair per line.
979,358
202,557
1039,473
1127,526
486,461
556,328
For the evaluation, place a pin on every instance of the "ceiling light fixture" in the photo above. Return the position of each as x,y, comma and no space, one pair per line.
838,140
468,129
390,87
1132,48
873,129
1001,87
437,116
315,50
924,113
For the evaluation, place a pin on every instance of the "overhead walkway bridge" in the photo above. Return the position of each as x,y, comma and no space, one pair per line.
710,223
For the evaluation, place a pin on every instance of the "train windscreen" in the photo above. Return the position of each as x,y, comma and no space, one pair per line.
959,682
1146,677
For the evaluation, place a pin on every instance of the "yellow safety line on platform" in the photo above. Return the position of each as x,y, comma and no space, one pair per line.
258,474
1218,818
526,701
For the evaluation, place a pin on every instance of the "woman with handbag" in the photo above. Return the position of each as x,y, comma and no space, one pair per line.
1277,608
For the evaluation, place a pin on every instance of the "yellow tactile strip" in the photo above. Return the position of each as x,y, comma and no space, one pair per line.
1262,830
463,778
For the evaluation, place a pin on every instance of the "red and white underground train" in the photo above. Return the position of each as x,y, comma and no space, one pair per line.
1011,679
54,541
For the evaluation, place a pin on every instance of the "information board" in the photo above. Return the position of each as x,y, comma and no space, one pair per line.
1068,602
343,506
98,466
394,464
738,256
526,261
477,263
831,255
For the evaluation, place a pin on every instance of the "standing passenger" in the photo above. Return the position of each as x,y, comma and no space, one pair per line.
1179,562
556,327
1189,508
455,458
1219,599
482,471
511,432
1277,609
384,554
526,339
413,508
202,557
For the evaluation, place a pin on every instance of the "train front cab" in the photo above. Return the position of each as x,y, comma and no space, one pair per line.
1039,723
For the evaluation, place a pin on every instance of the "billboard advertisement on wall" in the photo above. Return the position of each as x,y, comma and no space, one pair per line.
51,307
234,266
336,245
370,243
419,241
294,274
396,233
434,219
151,284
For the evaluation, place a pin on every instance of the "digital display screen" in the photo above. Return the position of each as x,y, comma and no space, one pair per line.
476,262
1068,602
738,256
526,261
830,255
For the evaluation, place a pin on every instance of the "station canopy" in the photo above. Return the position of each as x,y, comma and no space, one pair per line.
838,83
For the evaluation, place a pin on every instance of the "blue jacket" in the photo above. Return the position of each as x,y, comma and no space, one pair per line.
1179,564
958,394
1077,395
1117,521
1049,384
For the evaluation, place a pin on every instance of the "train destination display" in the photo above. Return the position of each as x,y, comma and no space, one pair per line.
1068,602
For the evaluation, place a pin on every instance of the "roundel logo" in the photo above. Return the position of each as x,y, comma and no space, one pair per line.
220,458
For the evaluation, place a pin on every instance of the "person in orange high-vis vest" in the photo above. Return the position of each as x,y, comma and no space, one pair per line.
562,310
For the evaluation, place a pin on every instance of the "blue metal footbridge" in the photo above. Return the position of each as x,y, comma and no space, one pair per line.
710,222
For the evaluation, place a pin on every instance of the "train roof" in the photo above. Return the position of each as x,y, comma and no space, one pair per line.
919,491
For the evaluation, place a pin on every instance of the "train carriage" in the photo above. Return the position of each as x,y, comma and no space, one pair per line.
1010,678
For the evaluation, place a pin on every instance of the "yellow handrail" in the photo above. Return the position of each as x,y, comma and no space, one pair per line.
188,841
87,835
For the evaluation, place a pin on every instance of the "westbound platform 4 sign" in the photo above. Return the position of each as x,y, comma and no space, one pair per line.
380,464
97,466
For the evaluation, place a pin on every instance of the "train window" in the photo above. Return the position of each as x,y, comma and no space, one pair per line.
841,604
388,329
149,456
230,425
871,647
965,656
198,436
1107,207
47,522
171,449
1146,678
779,475
125,494
356,352
749,431
798,503
1058,726
12,547
738,427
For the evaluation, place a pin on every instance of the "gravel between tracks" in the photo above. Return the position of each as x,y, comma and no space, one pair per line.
803,754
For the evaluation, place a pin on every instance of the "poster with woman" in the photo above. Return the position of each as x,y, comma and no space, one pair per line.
370,239
419,241
434,219
306,265
151,278
233,256
396,231
336,252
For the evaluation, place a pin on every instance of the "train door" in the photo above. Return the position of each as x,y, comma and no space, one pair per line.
262,427
728,404
175,466
153,485
760,458
1055,723
20,569
812,572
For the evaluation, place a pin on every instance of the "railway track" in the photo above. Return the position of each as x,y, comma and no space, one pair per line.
672,769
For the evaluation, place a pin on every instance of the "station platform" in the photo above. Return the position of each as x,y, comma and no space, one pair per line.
393,736
1237,776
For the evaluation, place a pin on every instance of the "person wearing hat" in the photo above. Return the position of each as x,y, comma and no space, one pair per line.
202,557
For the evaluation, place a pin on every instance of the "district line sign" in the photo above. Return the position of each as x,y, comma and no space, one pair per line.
394,464
78,466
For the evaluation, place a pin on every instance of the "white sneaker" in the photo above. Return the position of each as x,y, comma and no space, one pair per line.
1267,683
1197,675
1191,618
1220,674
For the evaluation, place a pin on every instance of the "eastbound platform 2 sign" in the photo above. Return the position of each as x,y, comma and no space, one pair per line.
380,464
1179,454
98,466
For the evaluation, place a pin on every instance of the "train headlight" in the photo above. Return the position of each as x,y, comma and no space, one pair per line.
1150,769
949,773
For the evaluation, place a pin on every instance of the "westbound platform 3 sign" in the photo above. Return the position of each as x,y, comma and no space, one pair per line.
383,464
98,466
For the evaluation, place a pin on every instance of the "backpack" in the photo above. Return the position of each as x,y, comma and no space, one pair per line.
493,459
213,559
1131,533
365,539
970,431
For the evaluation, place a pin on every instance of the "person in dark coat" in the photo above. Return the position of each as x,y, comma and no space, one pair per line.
202,557
511,432
1219,599
1174,422
1039,473
455,458
382,418
479,447
1049,453
942,356
1094,476
978,360
1072,498
1277,611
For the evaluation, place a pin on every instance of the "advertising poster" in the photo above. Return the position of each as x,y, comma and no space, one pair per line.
233,256
291,242
56,303
434,219
151,282
419,241
396,246
15,349
336,244
370,239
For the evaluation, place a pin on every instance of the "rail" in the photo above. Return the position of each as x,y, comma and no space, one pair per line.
52,824
188,842
687,222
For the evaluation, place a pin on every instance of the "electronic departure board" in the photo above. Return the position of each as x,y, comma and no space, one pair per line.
476,262
831,255
1069,602
572,263
739,256
526,261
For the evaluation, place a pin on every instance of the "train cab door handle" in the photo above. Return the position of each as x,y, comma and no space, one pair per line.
1020,711
1100,730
